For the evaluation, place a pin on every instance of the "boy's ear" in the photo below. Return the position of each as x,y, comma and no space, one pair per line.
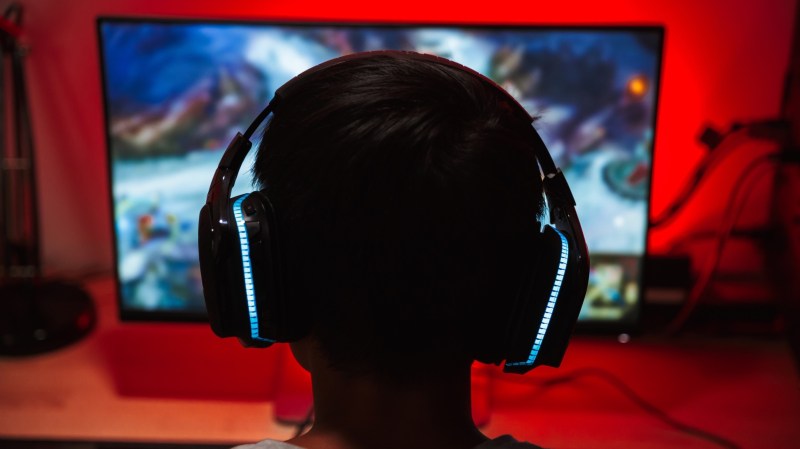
303,351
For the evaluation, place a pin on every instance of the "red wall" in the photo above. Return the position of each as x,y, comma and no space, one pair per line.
725,60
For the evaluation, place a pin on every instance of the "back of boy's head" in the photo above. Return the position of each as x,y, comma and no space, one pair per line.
408,195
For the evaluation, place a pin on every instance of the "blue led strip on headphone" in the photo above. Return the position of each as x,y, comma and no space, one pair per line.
551,302
247,270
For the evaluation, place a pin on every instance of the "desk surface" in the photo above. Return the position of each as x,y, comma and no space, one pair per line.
745,390
70,395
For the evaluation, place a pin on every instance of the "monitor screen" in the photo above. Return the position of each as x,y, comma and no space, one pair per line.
176,92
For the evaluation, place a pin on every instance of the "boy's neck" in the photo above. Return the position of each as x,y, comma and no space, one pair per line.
367,413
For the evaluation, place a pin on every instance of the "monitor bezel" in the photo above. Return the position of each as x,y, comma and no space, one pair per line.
589,325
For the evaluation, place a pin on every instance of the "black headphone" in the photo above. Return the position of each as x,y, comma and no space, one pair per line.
240,252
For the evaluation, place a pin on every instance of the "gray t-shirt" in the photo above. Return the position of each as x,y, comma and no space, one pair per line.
502,442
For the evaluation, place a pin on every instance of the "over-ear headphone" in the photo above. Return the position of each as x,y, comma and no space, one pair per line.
241,262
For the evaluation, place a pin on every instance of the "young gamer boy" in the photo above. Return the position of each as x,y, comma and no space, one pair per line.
397,237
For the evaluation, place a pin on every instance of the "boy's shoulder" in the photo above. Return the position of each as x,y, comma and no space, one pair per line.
502,442
506,442
268,444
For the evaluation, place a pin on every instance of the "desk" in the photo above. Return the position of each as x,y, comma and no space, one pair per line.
745,390
71,395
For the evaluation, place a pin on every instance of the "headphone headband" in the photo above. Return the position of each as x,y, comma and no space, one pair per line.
234,155
223,236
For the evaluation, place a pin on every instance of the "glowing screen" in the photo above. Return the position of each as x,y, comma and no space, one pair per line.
177,92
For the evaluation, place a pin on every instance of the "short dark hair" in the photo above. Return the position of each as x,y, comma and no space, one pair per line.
408,195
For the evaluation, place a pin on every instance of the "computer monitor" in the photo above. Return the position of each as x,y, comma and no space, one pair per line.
176,92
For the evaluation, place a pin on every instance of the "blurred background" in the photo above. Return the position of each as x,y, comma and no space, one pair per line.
714,342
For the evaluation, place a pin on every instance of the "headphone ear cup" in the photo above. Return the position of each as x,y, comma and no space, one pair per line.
241,263
545,307
262,270
279,318
226,260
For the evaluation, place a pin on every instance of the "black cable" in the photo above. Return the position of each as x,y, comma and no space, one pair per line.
712,160
751,233
634,397
776,130
5,177
13,13
734,210
24,140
